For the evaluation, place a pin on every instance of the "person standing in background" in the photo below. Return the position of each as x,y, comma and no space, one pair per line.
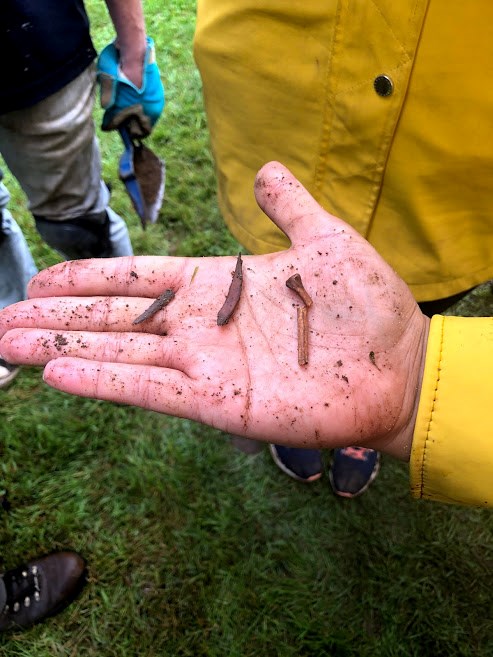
48,141
47,132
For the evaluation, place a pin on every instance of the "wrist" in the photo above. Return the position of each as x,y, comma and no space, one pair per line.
132,59
401,445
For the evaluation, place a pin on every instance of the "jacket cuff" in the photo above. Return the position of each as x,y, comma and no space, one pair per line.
452,452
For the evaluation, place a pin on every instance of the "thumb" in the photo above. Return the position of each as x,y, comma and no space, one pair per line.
290,206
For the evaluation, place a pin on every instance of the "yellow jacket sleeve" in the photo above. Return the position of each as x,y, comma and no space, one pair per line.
452,453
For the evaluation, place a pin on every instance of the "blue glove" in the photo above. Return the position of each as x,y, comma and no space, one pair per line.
125,104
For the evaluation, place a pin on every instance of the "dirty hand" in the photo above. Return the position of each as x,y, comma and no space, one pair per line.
137,103
366,344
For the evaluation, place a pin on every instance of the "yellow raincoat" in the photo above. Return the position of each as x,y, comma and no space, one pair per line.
452,452
384,111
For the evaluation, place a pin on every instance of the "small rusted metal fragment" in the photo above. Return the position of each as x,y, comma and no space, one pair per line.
162,301
302,316
294,283
233,296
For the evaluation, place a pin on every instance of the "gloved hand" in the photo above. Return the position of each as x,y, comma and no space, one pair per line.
138,109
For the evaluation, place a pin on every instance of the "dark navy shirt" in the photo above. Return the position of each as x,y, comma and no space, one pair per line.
44,45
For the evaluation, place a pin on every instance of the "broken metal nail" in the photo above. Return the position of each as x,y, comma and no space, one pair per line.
302,316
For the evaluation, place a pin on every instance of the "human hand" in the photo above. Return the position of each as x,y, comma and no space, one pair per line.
131,91
367,336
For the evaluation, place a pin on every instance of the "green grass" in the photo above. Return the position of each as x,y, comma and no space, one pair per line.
193,548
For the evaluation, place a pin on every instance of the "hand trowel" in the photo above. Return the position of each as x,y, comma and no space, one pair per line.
143,174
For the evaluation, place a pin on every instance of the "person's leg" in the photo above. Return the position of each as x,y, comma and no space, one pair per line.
430,308
52,150
16,268
16,263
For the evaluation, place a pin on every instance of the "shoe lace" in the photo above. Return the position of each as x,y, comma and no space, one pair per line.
357,453
22,588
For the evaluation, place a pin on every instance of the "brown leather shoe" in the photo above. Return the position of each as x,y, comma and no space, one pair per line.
40,588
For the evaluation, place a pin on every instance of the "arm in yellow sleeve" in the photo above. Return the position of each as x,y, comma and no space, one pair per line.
452,452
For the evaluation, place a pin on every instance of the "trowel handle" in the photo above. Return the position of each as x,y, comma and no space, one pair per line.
126,167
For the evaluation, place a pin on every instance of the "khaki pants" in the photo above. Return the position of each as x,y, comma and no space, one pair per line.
52,150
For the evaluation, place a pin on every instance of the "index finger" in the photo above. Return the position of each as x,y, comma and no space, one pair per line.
134,276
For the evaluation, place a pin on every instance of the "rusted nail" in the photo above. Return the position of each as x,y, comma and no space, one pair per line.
233,296
162,301
302,316
294,283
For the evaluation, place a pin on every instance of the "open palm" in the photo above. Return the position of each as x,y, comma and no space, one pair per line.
366,334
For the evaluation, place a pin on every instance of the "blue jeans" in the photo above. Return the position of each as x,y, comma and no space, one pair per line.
16,263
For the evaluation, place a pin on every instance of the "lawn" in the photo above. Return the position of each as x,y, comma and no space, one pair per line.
193,547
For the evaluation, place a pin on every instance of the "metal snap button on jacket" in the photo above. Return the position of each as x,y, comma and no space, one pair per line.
383,85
